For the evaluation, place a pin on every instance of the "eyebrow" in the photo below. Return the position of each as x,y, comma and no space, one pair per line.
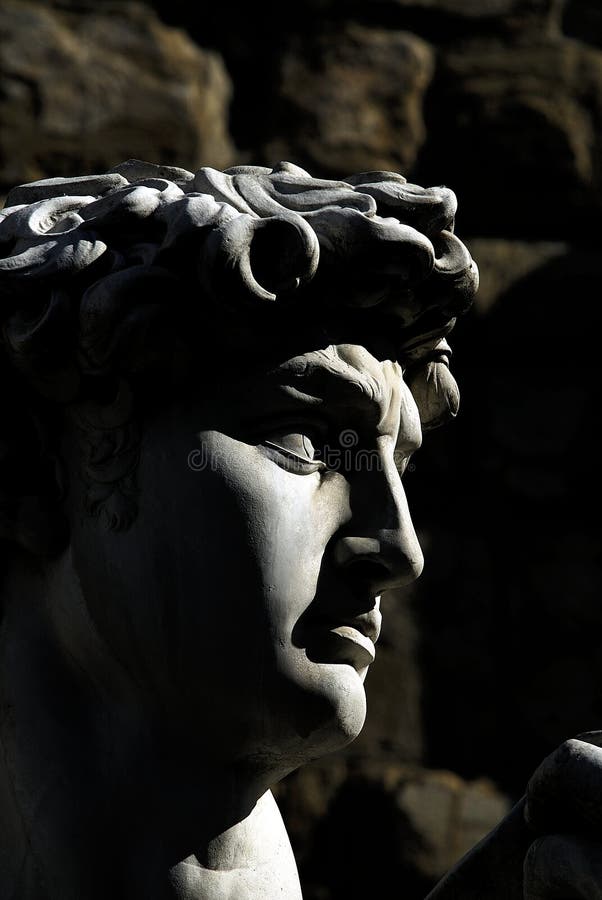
325,376
332,378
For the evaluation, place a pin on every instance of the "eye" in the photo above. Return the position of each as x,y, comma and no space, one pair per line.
296,448
295,443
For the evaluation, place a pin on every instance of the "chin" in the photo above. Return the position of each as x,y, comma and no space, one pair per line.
345,690
329,704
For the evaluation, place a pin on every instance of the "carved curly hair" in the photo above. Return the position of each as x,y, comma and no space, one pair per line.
101,276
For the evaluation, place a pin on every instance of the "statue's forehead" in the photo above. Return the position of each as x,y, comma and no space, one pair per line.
348,377
348,362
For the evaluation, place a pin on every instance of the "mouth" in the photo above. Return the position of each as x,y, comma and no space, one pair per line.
348,641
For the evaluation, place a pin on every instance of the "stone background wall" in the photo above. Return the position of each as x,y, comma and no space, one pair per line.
495,655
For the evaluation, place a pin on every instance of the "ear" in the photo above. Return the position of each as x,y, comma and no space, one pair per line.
109,440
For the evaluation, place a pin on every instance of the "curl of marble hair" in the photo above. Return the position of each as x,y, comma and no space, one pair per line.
94,270
75,251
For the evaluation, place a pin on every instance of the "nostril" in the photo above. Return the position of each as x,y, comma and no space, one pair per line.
368,573
378,563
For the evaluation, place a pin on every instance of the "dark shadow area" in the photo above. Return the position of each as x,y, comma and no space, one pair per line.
363,848
509,601
583,20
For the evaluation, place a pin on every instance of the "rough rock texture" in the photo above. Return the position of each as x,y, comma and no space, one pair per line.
419,822
537,104
82,92
515,17
352,100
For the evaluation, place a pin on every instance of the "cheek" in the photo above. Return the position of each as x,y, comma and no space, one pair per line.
121,594
295,534
247,573
269,532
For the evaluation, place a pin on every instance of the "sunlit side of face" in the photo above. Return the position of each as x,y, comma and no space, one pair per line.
245,596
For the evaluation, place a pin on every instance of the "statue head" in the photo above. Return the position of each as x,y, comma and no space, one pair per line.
212,383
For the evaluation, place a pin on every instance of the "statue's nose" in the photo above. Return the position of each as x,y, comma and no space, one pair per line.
379,545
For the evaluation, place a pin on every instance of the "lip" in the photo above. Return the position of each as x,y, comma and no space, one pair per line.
345,640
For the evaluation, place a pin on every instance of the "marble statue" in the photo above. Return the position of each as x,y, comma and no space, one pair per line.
211,385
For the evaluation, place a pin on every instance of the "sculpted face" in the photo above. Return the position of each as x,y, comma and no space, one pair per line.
245,596
237,581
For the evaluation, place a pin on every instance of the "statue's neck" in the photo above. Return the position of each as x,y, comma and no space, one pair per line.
95,806
219,843
252,860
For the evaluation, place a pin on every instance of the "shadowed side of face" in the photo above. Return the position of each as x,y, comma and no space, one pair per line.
245,597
